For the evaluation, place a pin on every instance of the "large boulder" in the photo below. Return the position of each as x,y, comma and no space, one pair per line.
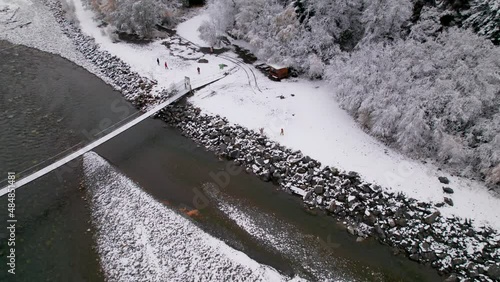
319,189
448,190
432,218
443,180
494,272
449,201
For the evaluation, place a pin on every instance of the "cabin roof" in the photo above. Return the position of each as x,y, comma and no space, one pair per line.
277,66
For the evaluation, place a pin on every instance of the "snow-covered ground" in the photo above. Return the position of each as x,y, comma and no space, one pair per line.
186,30
140,239
30,23
314,123
142,58
311,119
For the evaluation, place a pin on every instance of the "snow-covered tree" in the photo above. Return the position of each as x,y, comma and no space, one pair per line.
437,98
383,19
137,17
484,18
221,20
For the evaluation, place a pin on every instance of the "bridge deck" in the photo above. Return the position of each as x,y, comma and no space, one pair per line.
181,92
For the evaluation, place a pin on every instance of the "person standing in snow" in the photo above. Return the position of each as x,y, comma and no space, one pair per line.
158,61
166,66
198,70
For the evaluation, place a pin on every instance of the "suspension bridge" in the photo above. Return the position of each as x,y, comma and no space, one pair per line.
175,92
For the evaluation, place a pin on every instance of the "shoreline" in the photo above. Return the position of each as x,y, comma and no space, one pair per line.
368,210
411,228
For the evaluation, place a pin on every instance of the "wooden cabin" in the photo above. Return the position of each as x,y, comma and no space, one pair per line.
277,72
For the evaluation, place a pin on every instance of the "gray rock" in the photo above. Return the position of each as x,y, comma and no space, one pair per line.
414,257
319,189
266,176
308,196
332,206
249,158
448,201
366,188
306,159
432,218
440,254
234,154
335,171
370,220
341,197
429,256
402,222
457,261
451,278
276,175
391,222
443,180
380,232
301,170
474,273
494,272
351,230
352,174
259,161
448,190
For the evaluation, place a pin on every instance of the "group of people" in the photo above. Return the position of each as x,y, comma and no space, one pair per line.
166,65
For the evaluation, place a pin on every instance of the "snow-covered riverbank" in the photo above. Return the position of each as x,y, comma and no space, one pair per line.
31,23
312,121
140,239
314,124
411,227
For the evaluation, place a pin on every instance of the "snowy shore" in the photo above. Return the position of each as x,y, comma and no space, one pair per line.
452,245
312,120
414,226
140,239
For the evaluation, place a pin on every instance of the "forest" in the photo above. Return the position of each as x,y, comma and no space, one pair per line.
423,76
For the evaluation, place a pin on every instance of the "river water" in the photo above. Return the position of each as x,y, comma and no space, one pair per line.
48,105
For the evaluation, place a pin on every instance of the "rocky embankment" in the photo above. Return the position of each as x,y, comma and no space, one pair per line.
412,228
112,69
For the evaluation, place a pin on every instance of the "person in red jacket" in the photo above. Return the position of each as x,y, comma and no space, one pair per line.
166,66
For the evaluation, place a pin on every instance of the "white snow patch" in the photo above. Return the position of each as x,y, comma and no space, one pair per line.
301,248
298,191
189,29
142,58
314,123
140,239
31,23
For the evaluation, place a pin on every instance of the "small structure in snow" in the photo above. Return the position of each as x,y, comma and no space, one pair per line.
277,72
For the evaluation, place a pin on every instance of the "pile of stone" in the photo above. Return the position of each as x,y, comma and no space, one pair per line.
412,228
